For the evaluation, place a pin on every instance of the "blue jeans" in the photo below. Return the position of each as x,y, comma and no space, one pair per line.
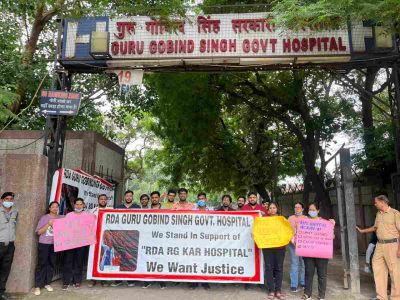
296,267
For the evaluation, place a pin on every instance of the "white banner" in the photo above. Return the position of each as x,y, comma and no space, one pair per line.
224,35
213,40
70,184
171,245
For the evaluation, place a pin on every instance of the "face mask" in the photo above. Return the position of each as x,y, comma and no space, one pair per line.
298,213
78,210
8,204
201,203
313,214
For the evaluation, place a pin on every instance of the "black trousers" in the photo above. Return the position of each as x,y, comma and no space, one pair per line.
273,259
45,265
73,265
6,259
310,264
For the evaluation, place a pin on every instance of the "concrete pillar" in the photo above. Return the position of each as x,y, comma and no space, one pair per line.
345,165
25,175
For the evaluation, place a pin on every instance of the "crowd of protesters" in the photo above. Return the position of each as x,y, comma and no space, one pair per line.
386,260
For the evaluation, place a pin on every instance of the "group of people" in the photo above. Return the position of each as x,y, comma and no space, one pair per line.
386,259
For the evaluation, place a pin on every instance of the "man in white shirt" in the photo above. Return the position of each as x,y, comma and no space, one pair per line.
102,204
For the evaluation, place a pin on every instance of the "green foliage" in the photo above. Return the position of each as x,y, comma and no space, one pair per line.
215,144
295,14
26,57
381,158
6,99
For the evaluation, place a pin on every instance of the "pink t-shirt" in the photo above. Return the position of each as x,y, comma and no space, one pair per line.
294,220
46,237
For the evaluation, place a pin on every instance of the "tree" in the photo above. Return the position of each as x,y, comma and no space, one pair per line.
300,102
35,43
213,144
296,14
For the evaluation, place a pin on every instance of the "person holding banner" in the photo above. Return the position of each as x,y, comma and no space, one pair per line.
128,201
296,262
129,204
241,201
253,205
144,201
226,204
46,254
265,203
155,200
101,204
183,204
155,204
73,258
201,205
171,194
274,258
312,263
202,202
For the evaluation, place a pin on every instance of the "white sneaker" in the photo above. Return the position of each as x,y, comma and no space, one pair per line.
37,292
49,288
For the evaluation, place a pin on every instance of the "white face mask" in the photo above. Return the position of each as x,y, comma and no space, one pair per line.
313,214
78,209
8,204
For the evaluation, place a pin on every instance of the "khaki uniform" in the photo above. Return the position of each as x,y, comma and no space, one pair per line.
385,259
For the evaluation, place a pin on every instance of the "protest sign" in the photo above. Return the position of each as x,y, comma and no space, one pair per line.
175,246
314,238
272,232
70,184
73,231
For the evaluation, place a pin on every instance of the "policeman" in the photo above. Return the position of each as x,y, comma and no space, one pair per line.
8,222
387,253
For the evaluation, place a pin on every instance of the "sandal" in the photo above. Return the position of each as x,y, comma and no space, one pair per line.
271,296
280,296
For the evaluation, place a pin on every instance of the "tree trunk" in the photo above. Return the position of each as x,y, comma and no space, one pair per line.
42,17
307,188
27,57
321,193
260,188
367,119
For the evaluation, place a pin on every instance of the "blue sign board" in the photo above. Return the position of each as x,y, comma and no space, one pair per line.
59,103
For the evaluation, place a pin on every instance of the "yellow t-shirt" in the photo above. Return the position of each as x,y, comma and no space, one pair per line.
168,205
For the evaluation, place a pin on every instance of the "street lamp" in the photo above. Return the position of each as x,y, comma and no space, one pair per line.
99,45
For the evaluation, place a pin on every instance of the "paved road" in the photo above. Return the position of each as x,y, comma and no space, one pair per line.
218,291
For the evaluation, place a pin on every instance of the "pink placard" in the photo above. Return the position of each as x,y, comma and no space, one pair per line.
73,231
314,238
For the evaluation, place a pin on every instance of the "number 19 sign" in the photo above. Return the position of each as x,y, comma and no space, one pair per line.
127,78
